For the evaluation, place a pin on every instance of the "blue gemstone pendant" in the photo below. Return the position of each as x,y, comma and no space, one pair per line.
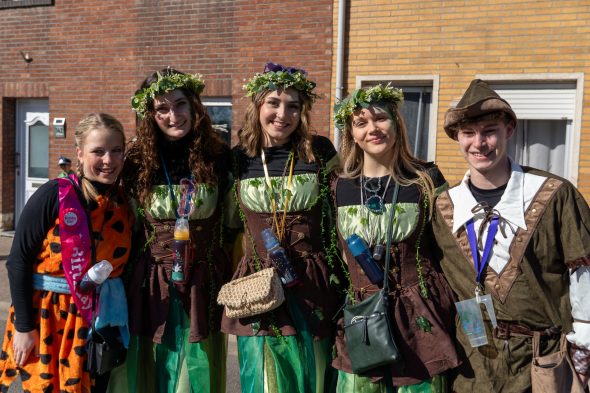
375,204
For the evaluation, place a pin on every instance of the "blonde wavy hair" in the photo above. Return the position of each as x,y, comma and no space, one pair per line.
92,122
250,136
405,168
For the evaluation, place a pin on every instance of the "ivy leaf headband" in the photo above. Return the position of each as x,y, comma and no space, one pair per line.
164,84
275,77
363,98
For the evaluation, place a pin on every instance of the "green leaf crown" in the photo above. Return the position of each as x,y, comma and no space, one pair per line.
275,77
363,98
165,84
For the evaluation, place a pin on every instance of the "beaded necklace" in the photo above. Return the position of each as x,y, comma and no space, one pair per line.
274,195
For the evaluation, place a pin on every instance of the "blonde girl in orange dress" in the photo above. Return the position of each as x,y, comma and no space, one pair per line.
47,327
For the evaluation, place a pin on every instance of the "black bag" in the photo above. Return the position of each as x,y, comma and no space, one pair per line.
367,325
105,350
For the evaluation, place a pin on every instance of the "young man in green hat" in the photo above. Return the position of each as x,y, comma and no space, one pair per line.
529,285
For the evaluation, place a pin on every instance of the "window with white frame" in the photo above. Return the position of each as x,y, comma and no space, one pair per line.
545,136
417,109
220,112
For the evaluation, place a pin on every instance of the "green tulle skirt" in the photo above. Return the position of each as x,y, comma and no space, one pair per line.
352,383
278,365
175,365
286,364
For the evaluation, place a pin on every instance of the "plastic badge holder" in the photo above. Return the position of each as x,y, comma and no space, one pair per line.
486,300
472,320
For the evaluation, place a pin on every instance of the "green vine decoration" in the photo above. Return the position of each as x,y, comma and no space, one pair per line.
152,229
423,289
329,210
257,262
275,329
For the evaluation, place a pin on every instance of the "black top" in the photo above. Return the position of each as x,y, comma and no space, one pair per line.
37,218
491,197
175,155
349,192
276,159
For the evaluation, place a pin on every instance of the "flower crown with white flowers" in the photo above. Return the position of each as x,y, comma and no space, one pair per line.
164,84
275,77
363,98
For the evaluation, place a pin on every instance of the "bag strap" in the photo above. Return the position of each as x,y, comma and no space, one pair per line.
389,236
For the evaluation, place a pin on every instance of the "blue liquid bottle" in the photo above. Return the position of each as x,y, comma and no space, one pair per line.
279,259
363,257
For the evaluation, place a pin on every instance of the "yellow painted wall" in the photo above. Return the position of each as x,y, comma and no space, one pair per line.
459,39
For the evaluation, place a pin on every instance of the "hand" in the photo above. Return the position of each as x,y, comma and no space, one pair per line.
23,344
584,379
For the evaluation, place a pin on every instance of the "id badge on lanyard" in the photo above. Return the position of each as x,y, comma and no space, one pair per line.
470,311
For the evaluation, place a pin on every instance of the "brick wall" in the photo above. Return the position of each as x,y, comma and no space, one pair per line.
92,55
293,33
459,39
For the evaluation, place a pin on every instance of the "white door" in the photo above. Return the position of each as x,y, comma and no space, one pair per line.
32,149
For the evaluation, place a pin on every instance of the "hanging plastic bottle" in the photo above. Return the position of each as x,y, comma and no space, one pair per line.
95,276
181,241
182,251
363,257
279,258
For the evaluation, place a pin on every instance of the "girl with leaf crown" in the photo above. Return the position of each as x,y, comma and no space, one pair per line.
177,173
376,158
281,170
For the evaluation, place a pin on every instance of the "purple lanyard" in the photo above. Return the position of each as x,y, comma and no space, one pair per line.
480,263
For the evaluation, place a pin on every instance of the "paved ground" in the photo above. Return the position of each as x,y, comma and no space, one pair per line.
233,383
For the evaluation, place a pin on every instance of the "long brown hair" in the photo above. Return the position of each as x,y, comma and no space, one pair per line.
205,146
404,167
92,122
251,135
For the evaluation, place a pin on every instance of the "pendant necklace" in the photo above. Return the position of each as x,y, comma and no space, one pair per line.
374,205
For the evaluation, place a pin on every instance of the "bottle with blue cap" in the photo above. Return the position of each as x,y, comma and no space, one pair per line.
363,257
279,258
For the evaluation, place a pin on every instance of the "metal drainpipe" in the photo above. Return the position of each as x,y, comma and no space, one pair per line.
339,62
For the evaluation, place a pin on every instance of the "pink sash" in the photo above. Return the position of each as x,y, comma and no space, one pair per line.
75,243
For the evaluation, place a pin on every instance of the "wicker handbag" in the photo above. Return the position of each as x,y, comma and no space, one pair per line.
252,295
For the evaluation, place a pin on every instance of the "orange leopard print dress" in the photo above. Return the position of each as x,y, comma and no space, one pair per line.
62,330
